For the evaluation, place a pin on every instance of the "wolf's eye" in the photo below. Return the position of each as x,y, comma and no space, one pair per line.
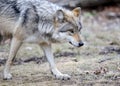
71,31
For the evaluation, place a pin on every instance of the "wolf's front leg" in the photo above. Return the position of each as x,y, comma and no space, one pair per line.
14,48
48,52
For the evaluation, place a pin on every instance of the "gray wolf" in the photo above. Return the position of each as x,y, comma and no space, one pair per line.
40,22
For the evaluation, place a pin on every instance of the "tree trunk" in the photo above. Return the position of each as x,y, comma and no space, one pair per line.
83,3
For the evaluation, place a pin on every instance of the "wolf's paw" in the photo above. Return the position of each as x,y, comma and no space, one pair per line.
63,77
7,76
59,75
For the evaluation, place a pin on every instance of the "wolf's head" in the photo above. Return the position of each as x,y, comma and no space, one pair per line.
68,26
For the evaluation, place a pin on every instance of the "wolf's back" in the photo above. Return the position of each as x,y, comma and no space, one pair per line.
4,1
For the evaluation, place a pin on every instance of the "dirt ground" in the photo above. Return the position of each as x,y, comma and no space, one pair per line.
97,63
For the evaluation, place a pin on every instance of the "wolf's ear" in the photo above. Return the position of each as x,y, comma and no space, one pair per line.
77,11
59,16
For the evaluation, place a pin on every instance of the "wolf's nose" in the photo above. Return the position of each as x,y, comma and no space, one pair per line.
81,44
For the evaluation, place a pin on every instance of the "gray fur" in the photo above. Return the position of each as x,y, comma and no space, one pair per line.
37,15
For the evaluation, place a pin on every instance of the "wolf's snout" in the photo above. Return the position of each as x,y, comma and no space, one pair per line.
78,44
81,44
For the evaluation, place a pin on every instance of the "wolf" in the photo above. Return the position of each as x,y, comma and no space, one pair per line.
40,22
